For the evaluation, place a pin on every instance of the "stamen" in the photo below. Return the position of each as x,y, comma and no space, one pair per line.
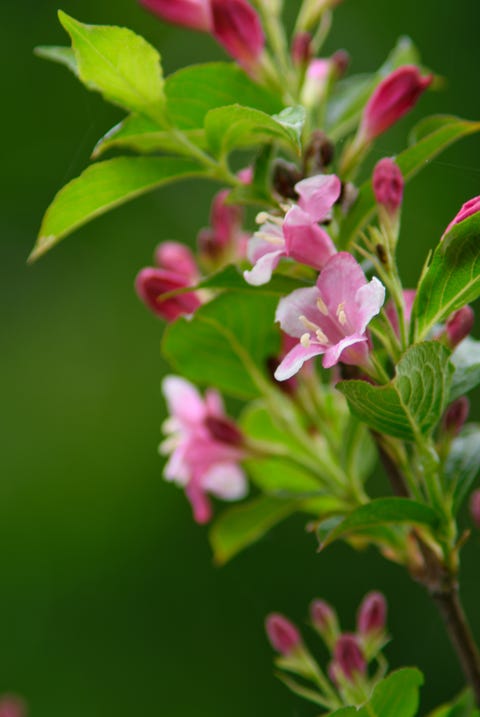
266,218
271,238
308,324
341,315
322,307
321,336
305,340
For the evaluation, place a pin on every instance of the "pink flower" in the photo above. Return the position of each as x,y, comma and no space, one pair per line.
348,659
468,209
224,241
12,706
459,325
298,236
283,635
195,14
302,48
387,182
205,447
372,614
176,257
237,27
330,318
316,81
396,95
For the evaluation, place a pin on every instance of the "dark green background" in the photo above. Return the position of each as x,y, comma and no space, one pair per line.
109,602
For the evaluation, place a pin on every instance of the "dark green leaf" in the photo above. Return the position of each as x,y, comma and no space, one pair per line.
104,186
452,278
239,527
383,511
395,696
238,127
463,463
466,360
226,343
413,402
411,161
62,55
119,64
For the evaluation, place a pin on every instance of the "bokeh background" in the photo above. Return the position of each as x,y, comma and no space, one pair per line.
109,601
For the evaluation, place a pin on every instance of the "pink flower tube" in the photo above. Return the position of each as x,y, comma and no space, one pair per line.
237,27
468,209
194,14
283,635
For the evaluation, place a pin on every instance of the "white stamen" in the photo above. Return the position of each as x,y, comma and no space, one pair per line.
322,307
341,315
305,340
308,324
321,336
271,238
266,218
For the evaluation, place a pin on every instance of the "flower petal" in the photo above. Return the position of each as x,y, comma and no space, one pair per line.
339,282
341,351
305,241
294,360
183,400
261,273
225,480
300,302
369,299
318,194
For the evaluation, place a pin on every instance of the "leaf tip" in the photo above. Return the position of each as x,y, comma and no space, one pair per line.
43,244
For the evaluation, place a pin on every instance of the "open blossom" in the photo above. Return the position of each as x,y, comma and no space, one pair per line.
195,14
298,235
331,318
396,95
204,445
468,209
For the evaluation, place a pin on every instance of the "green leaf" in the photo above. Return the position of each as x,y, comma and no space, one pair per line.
395,696
463,706
383,511
121,65
239,527
141,134
452,278
413,402
194,91
293,119
103,186
463,463
62,55
444,132
466,360
359,450
226,343
238,127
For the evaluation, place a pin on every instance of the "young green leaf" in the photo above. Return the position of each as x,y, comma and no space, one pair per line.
444,131
226,343
380,512
395,696
102,187
466,361
238,127
463,706
62,55
452,278
239,527
413,402
463,463
121,65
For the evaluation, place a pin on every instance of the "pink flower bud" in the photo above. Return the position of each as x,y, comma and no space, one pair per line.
340,61
475,507
194,14
456,416
468,209
150,284
302,50
176,257
396,95
237,27
322,615
372,614
283,635
459,325
316,81
12,706
348,657
388,184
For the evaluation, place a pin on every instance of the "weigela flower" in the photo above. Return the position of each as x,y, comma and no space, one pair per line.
468,209
331,318
194,14
387,182
204,445
237,27
282,634
298,235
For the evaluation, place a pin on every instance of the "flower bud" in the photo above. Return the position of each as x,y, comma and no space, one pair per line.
341,61
237,27
348,657
150,284
316,82
176,257
194,14
224,241
312,11
302,50
283,635
12,706
325,621
388,185
475,507
396,95
319,153
284,178
456,416
468,209
459,325
372,614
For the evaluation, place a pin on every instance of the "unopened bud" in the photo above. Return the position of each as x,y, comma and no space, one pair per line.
302,50
194,14
285,177
176,257
388,185
348,657
341,61
237,27
475,507
319,153
316,82
456,416
372,614
325,621
468,209
151,284
12,706
459,325
283,635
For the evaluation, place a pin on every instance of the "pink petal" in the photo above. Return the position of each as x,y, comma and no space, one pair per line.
370,299
294,360
237,27
183,400
194,14
261,273
468,209
339,282
306,242
341,351
151,284
214,403
202,509
226,481
176,257
318,194
301,302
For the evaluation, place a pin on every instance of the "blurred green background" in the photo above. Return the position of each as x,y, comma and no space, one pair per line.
109,602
